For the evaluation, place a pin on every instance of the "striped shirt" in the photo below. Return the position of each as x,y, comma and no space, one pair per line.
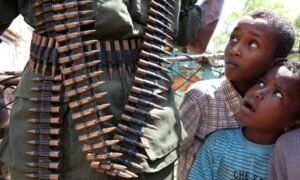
228,155
207,106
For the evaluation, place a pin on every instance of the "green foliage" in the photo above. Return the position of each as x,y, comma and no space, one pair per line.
230,16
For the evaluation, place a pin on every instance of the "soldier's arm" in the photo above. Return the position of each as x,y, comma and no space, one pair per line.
8,12
197,23
211,12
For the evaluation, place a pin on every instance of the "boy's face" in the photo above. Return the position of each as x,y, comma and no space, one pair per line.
271,104
250,49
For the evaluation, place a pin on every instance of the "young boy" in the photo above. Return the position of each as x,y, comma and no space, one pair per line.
285,161
269,107
257,39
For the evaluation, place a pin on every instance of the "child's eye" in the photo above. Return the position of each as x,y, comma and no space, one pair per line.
253,44
233,38
260,83
278,94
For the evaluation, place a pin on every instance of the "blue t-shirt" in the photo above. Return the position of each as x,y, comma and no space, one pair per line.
228,155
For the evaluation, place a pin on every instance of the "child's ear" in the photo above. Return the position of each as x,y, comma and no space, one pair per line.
293,125
278,60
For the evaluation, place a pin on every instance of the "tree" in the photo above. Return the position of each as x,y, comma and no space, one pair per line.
237,8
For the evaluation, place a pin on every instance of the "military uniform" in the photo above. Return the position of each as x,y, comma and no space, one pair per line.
128,18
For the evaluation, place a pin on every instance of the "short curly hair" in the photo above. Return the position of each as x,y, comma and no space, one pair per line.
294,67
284,30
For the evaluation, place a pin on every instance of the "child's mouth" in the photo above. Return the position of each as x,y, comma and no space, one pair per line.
249,106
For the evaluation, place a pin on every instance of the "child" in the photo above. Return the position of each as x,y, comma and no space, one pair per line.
269,107
285,161
257,39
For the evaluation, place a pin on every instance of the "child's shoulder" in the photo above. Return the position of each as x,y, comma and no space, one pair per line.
223,135
206,86
289,137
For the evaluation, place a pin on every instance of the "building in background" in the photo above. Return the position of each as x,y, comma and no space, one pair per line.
14,48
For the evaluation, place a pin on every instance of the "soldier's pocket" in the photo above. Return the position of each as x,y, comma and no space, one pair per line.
168,135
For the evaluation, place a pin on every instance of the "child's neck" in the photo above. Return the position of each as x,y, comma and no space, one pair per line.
243,86
260,137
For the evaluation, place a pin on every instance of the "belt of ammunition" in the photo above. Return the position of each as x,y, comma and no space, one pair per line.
64,57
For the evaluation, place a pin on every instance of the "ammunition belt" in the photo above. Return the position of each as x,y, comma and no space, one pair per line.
65,61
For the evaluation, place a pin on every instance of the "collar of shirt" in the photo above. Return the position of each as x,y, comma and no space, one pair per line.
233,98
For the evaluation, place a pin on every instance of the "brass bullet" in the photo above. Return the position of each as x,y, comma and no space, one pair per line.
42,48
45,142
96,134
72,25
141,112
97,146
106,165
81,78
119,57
48,131
50,176
48,78
102,157
166,4
155,48
77,57
157,23
149,83
50,165
150,74
127,55
145,92
33,50
46,99
134,131
53,88
47,54
92,122
128,162
159,15
83,89
51,154
153,57
63,16
38,41
107,47
130,141
143,102
74,46
69,36
134,52
39,3
89,111
45,109
157,40
137,121
86,100
157,31
152,65
62,6
129,152
160,8
52,120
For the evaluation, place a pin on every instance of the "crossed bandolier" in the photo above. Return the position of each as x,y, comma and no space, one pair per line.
69,64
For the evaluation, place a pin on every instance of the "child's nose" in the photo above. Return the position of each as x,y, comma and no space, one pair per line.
235,50
259,93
